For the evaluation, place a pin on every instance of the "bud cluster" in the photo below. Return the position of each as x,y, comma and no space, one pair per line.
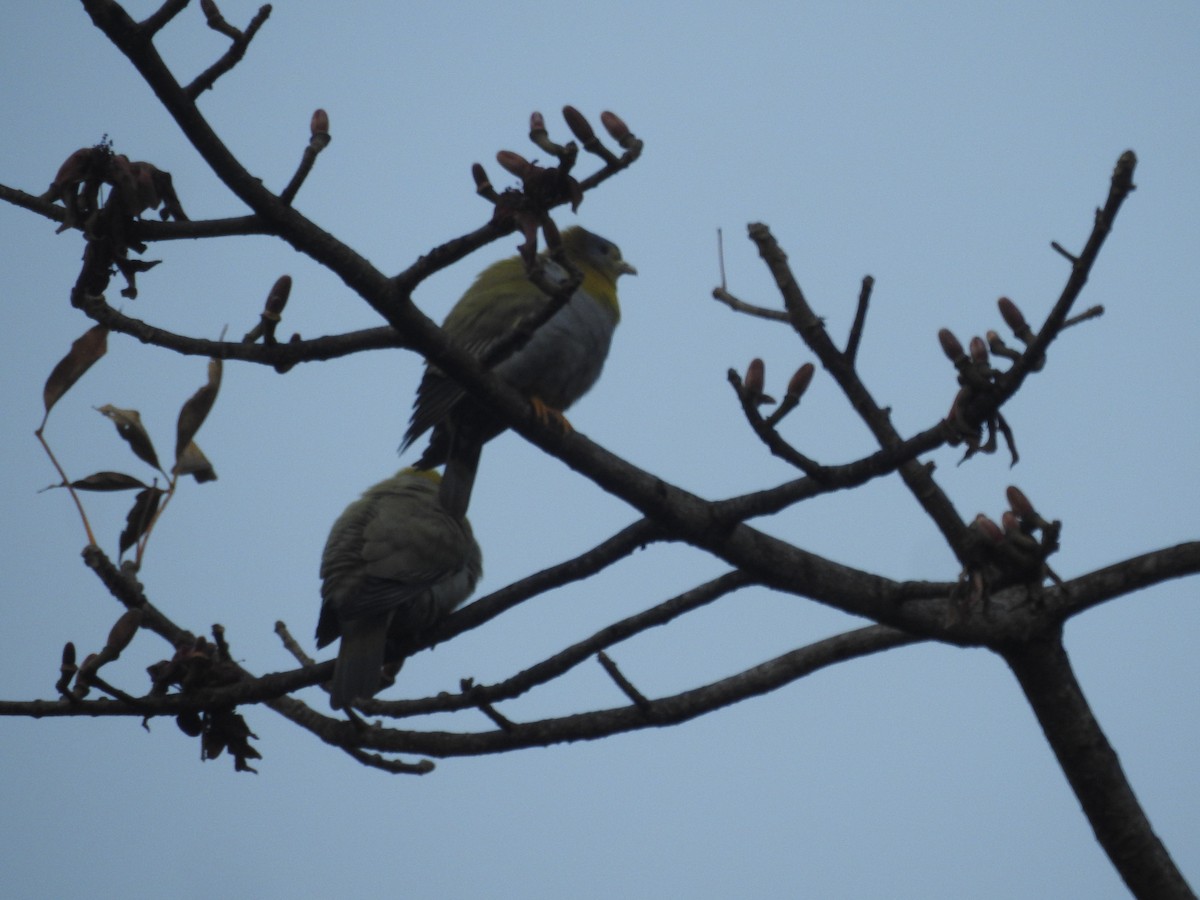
751,389
975,406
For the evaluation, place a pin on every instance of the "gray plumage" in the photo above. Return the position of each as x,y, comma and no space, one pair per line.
396,562
558,364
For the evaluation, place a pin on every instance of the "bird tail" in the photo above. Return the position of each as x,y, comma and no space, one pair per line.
458,478
356,674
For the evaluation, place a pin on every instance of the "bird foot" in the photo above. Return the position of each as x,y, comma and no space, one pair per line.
549,415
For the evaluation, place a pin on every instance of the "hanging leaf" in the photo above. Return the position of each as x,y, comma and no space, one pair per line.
129,426
196,409
140,517
88,348
193,462
108,481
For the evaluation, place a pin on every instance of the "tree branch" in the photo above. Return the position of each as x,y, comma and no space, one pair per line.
1092,768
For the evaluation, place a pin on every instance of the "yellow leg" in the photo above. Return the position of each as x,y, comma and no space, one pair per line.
548,414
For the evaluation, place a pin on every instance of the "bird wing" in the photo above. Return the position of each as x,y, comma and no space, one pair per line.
501,297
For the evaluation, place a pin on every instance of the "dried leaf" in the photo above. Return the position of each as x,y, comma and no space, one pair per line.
108,481
88,348
193,462
196,409
129,426
140,517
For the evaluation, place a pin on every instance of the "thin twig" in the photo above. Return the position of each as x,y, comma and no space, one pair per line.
624,683
292,645
775,315
860,319
232,56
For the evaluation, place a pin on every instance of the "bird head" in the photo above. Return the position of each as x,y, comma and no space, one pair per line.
591,252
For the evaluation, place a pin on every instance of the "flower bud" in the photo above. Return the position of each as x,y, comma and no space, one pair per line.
514,163
578,124
123,631
988,528
278,298
1019,502
801,380
755,377
979,350
319,124
615,126
950,345
1012,316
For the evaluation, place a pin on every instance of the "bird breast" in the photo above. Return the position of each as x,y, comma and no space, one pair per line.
564,357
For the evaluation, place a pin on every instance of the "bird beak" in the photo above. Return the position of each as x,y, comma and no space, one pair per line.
626,269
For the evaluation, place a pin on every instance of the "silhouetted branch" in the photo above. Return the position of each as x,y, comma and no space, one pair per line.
1092,768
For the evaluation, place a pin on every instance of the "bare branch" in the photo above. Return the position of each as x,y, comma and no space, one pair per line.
860,318
1092,768
232,56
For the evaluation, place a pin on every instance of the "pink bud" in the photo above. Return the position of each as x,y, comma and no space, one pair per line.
319,124
988,528
277,299
1012,316
950,345
615,126
755,377
801,380
1019,502
123,631
513,162
578,124
979,350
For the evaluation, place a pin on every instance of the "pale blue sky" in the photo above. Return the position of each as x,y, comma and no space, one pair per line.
937,146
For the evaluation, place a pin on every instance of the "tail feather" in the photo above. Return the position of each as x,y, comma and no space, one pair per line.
356,674
459,476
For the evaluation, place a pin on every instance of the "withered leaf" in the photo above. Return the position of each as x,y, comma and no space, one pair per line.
193,462
129,426
145,505
108,481
88,348
196,409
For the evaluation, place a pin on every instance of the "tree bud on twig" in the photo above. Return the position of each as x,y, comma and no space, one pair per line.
951,346
278,298
615,126
801,380
539,135
514,163
1012,316
988,528
979,350
1019,502
319,124
755,377
67,669
578,124
483,185
122,632
1023,507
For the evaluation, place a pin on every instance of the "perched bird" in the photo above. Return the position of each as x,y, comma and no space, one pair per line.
396,562
556,367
